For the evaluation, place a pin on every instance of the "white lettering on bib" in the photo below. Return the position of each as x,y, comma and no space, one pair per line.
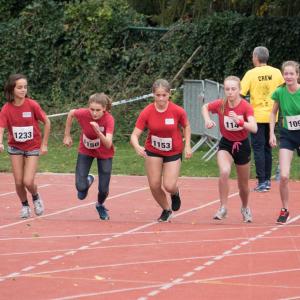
26,114
293,122
162,144
90,144
169,121
230,125
22,134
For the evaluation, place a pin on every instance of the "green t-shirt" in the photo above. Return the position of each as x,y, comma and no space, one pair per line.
289,104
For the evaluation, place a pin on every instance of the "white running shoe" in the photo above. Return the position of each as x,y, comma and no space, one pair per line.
25,212
247,215
38,206
221,213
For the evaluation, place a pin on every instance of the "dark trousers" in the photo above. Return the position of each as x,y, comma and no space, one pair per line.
83,167
262,152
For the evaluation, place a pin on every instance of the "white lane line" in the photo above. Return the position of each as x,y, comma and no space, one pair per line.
154,262
211,262
14,192
55,257
248,275
13,274
189,274
84,247
128,245
96,243
128,232
71,208
43,262
27,269
203,281
167,232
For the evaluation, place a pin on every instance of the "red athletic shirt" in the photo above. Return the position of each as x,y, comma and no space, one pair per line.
164,134
89,141
228,128
22,123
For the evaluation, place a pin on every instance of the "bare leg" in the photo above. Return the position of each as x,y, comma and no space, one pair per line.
154,167
224,162
243,172
171,172
30,167
285,159
17,163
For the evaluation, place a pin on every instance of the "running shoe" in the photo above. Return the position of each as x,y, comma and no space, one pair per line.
283,216
25,212
82,195
176,202
165,215
247,215
261,187
221,213
102,211
268,184
38,206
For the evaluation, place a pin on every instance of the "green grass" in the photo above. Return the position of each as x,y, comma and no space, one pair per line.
62,160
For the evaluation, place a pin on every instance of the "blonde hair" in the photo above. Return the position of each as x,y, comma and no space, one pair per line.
232,78
291,63
103,99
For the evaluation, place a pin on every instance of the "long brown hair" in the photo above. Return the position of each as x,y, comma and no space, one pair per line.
10,86
224,101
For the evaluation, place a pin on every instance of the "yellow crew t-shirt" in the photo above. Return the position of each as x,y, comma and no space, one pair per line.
260,82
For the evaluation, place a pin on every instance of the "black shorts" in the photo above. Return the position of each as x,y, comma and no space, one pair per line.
290,139
165,158
240,151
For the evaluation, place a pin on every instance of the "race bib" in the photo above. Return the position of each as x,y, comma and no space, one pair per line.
230,125
90,144
22,134
169,121
162,144
26,114
293,122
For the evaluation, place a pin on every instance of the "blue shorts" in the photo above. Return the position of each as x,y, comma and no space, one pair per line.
17,151
240,151
290,139
165,158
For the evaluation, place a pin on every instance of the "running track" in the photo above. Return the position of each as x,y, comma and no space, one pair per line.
69,253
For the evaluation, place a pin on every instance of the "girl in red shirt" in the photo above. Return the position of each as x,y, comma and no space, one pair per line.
164,146
235,121
97,127
21,116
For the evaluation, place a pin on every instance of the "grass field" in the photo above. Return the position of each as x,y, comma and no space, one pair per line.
62,160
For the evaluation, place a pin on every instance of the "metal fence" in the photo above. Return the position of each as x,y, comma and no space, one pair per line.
196,93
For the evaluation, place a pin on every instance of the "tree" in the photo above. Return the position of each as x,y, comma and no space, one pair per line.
166,12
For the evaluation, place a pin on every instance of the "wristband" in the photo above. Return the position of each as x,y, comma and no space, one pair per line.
240,123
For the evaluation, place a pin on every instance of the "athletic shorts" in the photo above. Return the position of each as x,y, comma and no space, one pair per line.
17,151
290,139
165,158
240,151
